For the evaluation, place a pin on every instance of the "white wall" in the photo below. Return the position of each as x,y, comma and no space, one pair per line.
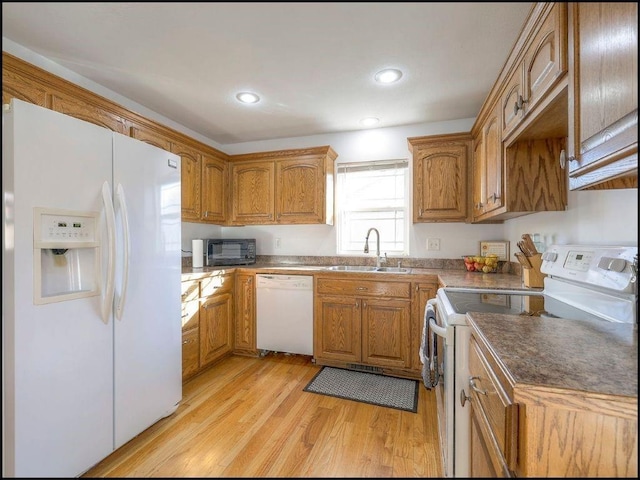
592,217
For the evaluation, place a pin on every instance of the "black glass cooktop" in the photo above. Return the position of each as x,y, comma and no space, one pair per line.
514,304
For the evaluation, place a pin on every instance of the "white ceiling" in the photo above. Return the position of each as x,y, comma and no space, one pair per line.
312,63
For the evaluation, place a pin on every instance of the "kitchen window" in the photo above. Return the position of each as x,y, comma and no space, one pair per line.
373,194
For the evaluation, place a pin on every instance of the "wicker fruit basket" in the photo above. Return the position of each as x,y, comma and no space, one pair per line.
480,264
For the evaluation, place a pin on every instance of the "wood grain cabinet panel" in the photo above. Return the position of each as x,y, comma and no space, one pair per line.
207,322
529,430
603,95
89,113
16,84
520,134
363,328
440,177
190,161
253,193
245,315
214,187
285,187
216,328
300,191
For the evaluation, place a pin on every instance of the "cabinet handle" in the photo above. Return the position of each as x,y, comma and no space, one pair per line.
479,206
494,197
206,214
563,159
364,304
473,386
463,397
519,104
187,341
361,288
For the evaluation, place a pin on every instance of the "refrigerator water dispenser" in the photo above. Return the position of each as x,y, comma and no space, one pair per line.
66,255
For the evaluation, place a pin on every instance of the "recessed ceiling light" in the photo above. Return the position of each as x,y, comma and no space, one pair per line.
369,121
388,75
247,97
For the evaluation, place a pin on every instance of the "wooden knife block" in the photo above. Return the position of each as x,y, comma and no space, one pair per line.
533,277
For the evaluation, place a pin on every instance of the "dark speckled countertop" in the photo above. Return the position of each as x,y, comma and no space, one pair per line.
594,357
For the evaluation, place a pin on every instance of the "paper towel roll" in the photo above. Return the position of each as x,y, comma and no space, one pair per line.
198,257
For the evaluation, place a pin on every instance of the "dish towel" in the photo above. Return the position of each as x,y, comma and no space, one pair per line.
427,349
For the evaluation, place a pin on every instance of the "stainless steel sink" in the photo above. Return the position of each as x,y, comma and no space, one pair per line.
366,268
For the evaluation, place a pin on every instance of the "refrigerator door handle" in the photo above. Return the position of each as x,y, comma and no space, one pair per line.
122,203
107,300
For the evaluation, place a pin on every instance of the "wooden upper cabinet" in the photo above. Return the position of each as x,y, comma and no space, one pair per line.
283,187
253,193
214,186
541,66
300,191
493,173
190,180
478,168
88,112
603,95
16,84
149,136
440,177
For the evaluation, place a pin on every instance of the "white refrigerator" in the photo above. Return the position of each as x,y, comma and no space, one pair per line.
90,290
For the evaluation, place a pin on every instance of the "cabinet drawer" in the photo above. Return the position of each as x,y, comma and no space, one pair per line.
215,285
190,290
491,401
326,286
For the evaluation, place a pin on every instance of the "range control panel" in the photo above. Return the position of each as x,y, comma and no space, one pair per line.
611,267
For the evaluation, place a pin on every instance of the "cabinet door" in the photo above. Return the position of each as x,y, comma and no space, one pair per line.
440,183
190,353
151,137
337,334
493,175
215,173
190,180
245,314
386,332
603,95
216,328
478,169
513,101
253,193
88,112
545,60
300,191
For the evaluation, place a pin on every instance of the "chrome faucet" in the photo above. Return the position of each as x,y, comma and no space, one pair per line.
366,245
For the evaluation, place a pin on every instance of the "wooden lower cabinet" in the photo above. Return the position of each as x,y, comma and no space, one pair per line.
363,324
523,430
207,322
245,315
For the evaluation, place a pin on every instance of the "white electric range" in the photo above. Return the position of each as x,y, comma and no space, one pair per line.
591,283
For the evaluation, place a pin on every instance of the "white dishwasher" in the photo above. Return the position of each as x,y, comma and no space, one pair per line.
284,313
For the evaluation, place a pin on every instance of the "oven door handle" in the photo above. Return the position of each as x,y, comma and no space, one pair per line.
443,332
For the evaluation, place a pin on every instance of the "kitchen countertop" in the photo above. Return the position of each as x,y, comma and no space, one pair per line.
448,277
588,356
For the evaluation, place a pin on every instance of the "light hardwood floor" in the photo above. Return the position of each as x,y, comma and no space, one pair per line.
249,417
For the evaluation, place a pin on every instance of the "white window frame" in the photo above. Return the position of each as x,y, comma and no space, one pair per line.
342,228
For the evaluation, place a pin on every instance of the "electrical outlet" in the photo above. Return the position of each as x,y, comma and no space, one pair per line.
277,243
433,244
